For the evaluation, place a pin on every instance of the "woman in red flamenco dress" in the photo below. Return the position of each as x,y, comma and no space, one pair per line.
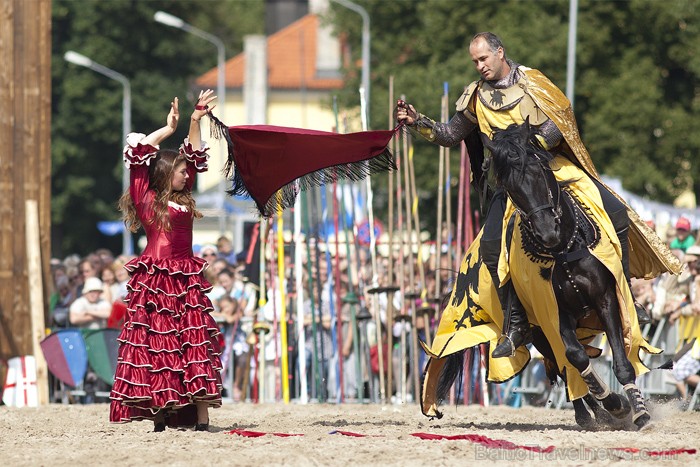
168,367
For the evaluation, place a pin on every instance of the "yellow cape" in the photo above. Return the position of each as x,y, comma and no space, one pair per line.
649,256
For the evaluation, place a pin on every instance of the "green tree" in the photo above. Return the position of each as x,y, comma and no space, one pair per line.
160,63
637,93
637,89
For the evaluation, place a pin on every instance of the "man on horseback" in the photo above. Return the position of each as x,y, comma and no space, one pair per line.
506,94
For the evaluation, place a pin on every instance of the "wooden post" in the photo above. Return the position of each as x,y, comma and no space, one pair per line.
36,298
411,294
390,264
25,169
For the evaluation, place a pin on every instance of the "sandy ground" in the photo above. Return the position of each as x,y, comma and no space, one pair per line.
69,435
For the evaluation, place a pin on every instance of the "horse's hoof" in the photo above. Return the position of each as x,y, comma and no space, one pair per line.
648,427
621,407
642,420
588,424
604,418
585,421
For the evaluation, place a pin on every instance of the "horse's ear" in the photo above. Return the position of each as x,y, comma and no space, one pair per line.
525,129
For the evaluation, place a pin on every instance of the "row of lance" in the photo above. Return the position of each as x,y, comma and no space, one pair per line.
407,277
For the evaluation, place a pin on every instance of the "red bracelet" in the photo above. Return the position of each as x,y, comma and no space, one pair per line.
201,107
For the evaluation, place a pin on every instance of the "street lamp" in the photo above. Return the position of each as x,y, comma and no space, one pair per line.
175,22
364,101
365,56
81,60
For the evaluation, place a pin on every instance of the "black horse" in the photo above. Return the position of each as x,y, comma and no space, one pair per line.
556,226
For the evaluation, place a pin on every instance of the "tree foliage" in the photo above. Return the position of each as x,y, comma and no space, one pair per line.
637,95
160,63
637,88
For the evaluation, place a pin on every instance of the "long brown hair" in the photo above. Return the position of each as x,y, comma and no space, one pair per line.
160,176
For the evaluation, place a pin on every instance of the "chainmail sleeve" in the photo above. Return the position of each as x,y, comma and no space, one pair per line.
445,134
549,135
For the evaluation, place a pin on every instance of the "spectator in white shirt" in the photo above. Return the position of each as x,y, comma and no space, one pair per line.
90,310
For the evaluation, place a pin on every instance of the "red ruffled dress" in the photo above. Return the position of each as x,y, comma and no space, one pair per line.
168,349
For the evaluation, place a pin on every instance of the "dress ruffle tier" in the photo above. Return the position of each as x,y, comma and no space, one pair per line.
136,153
169,350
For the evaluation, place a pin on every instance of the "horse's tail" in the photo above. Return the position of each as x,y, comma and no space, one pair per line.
453,370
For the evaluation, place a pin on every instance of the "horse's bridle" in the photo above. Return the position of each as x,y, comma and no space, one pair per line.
555,207
565,255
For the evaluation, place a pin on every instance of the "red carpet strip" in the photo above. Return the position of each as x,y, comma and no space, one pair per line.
485,441
478,439
351,433
257,434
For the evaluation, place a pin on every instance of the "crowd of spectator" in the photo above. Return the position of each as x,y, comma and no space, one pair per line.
88,293
674,302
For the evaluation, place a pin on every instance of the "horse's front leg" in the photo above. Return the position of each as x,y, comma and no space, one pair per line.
624,371
583,417
577,356
602,416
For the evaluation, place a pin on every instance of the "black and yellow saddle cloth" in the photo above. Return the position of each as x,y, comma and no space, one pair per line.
473,315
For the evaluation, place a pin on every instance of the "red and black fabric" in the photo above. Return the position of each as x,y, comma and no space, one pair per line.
169,352
272,164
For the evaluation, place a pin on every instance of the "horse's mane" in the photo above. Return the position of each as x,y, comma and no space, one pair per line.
516,143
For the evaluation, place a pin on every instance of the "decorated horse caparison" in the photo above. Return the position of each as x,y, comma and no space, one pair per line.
566,272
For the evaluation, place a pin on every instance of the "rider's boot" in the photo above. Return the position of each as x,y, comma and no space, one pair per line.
515,324
622,235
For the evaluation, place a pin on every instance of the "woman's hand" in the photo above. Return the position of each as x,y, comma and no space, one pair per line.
405,113
202,106
161,134
173,115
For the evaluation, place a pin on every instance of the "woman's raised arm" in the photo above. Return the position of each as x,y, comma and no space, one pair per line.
200,110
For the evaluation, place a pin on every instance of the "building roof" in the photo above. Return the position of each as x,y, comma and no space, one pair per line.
291,61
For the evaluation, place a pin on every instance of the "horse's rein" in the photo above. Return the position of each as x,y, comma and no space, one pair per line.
555,207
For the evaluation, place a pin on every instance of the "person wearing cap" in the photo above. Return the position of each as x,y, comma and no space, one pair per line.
691,306
209,252
90,310
686,370
683,238
671,291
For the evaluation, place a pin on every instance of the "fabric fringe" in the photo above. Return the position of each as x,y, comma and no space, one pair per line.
286,196
220,130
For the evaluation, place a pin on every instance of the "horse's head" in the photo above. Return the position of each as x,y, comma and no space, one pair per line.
522,167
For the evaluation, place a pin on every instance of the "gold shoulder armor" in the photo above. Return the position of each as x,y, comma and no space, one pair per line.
528,108
463,103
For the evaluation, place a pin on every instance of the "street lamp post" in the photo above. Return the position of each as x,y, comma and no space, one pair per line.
175,22
81,60
365,55
571,51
